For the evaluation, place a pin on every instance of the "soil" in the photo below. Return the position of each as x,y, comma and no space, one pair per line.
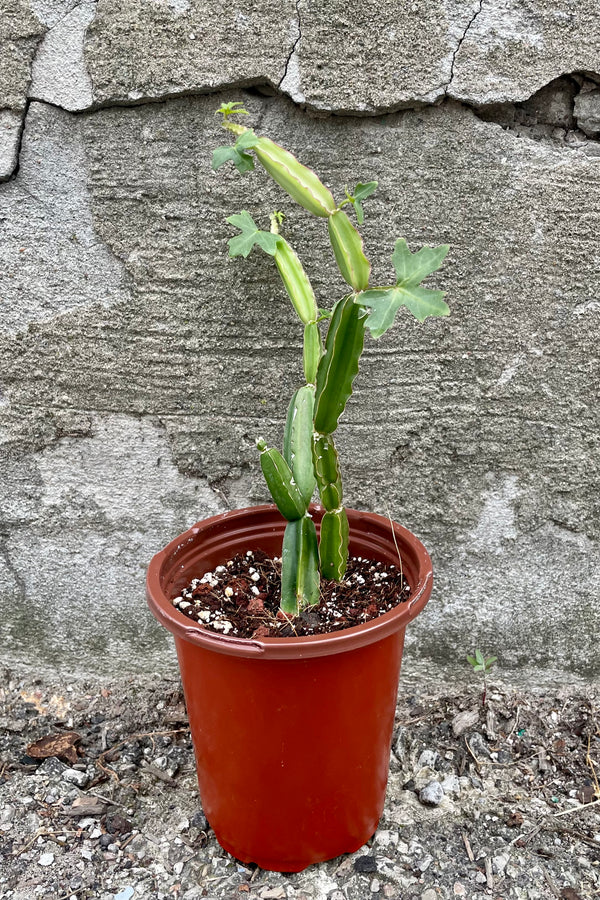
242,598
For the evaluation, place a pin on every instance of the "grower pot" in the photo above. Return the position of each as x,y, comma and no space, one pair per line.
292,735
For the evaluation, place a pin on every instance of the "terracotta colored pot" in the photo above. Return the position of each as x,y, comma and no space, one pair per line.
292,735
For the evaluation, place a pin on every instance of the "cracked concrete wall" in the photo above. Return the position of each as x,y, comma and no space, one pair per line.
138,363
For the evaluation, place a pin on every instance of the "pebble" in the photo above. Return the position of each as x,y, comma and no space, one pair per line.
51,768
499,863
479,745
72,776
386,838
46,859
427,759
365,864
451,785
424,863
429,894
432,794
464,720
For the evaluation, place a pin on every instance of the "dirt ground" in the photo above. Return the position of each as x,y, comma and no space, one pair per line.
98,799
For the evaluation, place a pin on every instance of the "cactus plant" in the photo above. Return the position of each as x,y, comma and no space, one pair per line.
309,456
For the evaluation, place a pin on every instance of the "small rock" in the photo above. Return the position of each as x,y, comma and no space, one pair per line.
6,815
499,863
178,868
386,838
464,720
365,864
199,820
46,859
375,886
428,758
72,776
424,863
51,768
451,786
478,745
137,844
432,794
118,824
459,889
429,894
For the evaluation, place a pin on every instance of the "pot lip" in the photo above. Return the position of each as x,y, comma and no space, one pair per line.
306,646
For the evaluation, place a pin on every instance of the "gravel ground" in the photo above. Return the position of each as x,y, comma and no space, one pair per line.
98,799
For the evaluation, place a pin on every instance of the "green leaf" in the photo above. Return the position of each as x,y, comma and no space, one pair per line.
480,657
230,109
470,659
246,141
412,268
385,302
362,191
242,161
222,155
242,244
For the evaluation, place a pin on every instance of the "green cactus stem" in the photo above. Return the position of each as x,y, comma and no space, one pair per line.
299,566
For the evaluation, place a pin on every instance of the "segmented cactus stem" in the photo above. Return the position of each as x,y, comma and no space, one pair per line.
299,566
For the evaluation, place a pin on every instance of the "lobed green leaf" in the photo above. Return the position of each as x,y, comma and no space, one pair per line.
385,302
242,161
412,268
242,244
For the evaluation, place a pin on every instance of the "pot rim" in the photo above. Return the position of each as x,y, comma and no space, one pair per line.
164,564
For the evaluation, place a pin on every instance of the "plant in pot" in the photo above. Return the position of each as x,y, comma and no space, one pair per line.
292,723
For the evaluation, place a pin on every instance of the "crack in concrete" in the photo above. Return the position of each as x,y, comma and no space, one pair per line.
293,51
459,45
12,175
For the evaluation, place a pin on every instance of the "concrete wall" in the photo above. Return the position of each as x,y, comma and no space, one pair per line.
138,363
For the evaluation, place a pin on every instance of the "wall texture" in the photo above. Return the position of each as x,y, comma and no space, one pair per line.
138,363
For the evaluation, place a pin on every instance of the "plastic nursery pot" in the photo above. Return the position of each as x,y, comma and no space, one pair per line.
292,735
